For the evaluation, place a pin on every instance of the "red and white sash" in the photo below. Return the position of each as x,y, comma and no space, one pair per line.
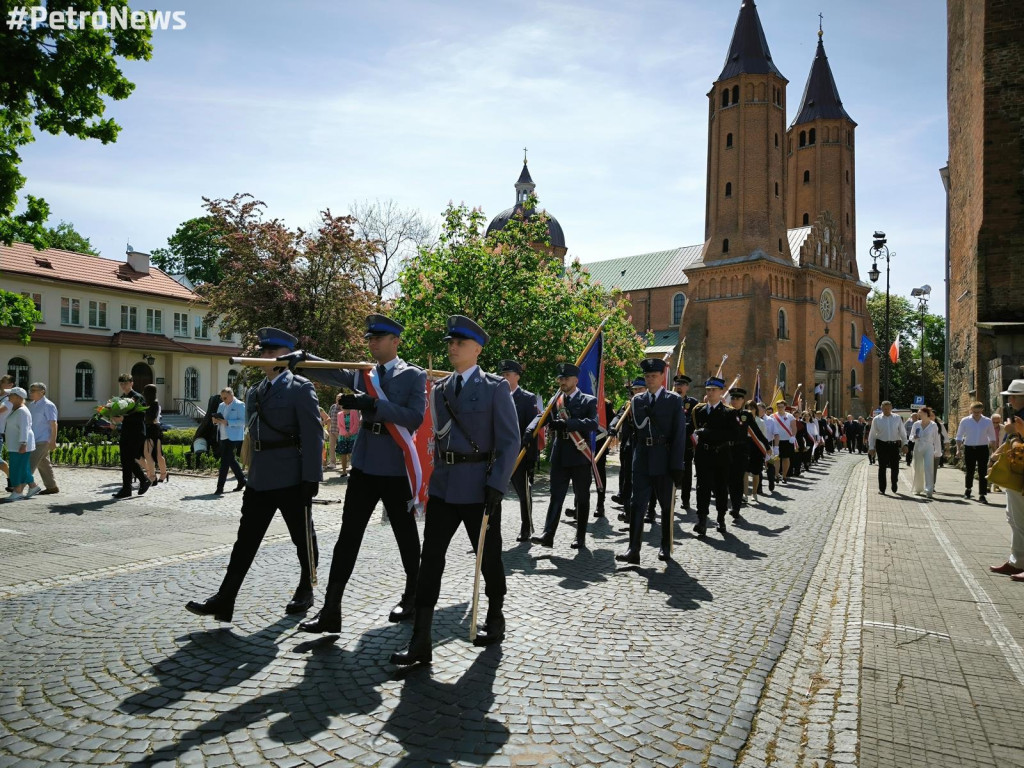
401,435
582,445
782,424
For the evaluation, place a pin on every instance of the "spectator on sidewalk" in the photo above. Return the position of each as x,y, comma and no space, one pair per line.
1014,565
862,435
928,445
887,439
204,440
20,444
347,424
332,433
230,421
44,428
6,382
976,438
153,454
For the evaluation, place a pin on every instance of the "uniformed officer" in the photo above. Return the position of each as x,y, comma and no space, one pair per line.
623,429
573,419
741,448
715,427
527,408
476,443
378,464
681,386
284,474
603,436
658,456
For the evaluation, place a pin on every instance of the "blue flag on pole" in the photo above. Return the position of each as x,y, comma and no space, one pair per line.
592,381
865,348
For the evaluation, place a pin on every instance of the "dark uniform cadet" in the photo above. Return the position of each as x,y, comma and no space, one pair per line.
603,436
681,386
132,441
527,408
476,443
568,463
742,448
658,456
716,427
378,465
287,439
623,429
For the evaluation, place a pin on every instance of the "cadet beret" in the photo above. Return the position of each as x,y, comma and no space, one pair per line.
714,381
381,325
737,392
275,337
653,365
681,378
567,369
461,327
510,365
638,382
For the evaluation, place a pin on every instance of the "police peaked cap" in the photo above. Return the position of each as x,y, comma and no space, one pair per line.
653,365
638,382
275,337
681,378
381,325
714,381
567,369
461,327
510,365
738,392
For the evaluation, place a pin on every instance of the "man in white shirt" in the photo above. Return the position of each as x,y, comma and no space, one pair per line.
771,430
887,439
44,427
975,437
785,426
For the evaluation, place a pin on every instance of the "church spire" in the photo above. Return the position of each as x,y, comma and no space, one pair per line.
748,52
525,184
821,97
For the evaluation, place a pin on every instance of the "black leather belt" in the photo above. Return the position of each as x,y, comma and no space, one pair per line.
888,442
376,427
655,441
270,445
451,457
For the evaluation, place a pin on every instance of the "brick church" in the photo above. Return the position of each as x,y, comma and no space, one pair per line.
775,283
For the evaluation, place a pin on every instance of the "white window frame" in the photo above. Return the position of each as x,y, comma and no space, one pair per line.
94,309
73,313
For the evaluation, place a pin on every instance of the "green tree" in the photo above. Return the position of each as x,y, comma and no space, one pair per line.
194,250
307,283
17,311
66,237
535,311
905,376
58,80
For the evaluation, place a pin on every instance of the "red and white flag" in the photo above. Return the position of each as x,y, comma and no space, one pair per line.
894,350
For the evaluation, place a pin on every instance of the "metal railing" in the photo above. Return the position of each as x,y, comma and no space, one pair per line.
188,408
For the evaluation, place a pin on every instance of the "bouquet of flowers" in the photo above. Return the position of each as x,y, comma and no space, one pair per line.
120,406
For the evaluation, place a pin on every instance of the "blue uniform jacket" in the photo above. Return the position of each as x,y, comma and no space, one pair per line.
582,410
485,408
664,425
287,410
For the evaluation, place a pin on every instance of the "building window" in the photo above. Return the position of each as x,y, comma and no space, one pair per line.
735,94
776,189
780,245
17,368
37,300
776,141
853,383
728,189
70,311
129,318
803,138
810,136
728,140
807,219
853,336
97,314
725,245
725,97
154,321
233,378
202,328
85,381
191,384
783,329
181,324
782,376
678,302
847,177
807,177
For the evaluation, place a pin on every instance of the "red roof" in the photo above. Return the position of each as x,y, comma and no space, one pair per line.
71,267
128,339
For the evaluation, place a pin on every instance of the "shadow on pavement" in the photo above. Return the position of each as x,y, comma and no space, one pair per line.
745,524
80,508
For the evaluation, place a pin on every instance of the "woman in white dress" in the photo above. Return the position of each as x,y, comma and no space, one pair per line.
927,445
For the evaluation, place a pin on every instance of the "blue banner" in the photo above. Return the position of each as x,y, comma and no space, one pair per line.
592,381
865,348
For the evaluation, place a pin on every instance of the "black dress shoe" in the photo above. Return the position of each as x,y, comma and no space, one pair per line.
420,649
701,528
570,513
124,493
663,554
301,601
617,498
144,486
631,557
721,524
544,541
983,499
241,485
219,491
578,544
599,513
404,610
493,630
524,535
221,608
623,517
324,621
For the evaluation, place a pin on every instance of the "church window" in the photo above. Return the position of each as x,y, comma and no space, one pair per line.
847,177
776,141
678,302
728,140
853,336
782,374
783,334
810,136
828,235
776,189
725,245
725,97
807,177
803,138
790,146
713,291
807,219
853,383
735,94
780,239
762,92
748,285
847,219
825,138
728,189
734,287
818,251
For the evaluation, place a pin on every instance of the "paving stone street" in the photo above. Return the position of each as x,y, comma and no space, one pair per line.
829,625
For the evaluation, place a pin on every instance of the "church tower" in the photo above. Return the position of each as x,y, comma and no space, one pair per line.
820,160
745,213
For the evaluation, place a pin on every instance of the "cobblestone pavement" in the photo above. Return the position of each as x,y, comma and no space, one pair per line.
603,665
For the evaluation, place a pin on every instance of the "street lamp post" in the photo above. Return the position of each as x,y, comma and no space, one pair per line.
880,250
922,295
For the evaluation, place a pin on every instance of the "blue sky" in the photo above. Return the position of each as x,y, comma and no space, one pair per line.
316,105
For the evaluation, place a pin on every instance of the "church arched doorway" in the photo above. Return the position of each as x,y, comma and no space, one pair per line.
828,377
142,375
